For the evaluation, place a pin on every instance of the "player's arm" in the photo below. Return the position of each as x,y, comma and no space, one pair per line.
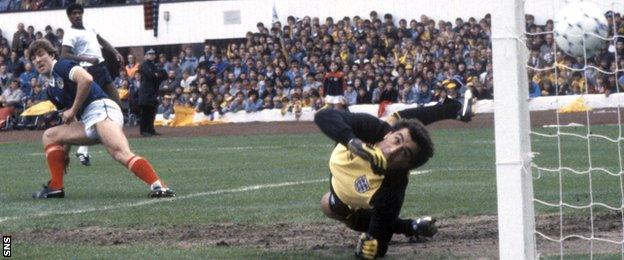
83,85
387,204
342,126
108,47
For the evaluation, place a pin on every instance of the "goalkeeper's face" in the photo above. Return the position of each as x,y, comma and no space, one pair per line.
398,148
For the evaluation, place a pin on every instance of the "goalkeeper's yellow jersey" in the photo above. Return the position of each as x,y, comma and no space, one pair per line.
353,179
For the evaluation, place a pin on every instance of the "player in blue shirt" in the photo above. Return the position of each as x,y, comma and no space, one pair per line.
72,89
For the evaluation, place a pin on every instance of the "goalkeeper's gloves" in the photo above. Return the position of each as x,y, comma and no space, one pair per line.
367,247
372,154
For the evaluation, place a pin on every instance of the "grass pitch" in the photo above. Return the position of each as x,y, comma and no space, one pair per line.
256,181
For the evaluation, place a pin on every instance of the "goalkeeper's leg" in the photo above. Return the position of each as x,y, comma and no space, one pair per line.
450,109
427,115
359,220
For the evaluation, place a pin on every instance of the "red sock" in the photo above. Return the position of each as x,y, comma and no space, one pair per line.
55,154
142,169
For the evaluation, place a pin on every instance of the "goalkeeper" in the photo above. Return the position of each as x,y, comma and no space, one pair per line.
370,168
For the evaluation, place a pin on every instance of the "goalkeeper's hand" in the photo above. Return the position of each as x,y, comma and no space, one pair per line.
367,247
378,161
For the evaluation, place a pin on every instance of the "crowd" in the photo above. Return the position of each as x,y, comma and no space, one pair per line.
35,5
363,60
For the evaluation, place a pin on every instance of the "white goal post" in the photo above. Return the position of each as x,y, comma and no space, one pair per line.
516,220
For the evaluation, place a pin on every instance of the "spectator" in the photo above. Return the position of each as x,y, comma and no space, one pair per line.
31,35
188,61
363,97
311,83
178,97
409,94
534,90
14,64
124,93
60,34
389,94
166,107
4,6
21,39
350,95
481,92
135,82
3,40
253,104
424,95
547,88
194,100
333,86
174,65
5,77
237,104
123,75
12,96
185,81
28,74
36,95
168,85
132,67
376,96
206,59
51,37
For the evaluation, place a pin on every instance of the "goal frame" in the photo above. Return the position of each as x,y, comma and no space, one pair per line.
516,216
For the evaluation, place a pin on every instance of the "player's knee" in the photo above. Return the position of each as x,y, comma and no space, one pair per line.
50,136
326,208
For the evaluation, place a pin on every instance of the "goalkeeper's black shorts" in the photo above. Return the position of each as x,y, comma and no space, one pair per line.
337,206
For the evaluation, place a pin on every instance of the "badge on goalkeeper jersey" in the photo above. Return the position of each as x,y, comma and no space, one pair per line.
361,184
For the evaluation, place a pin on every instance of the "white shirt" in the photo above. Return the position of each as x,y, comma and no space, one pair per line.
83,43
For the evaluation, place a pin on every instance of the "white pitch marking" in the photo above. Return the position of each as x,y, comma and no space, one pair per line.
154,201
416,172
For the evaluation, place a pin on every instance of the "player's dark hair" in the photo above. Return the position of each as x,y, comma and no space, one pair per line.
73,7
421,137
42,44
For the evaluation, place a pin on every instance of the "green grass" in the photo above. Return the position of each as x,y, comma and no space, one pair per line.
461,182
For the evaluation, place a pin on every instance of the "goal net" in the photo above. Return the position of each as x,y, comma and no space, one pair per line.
559,170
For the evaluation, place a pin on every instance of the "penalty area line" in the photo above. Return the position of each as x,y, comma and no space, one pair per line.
154,201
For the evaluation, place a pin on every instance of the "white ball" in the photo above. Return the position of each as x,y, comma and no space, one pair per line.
578,21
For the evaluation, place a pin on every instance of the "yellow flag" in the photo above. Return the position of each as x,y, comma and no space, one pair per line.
183,116
39,109
577,105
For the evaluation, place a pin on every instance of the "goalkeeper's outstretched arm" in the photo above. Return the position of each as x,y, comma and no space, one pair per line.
342,126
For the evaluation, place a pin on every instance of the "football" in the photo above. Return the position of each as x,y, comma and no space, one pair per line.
580,29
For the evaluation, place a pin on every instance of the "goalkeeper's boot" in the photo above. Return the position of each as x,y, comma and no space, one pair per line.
85,159
466,112
48,193
161,192
423,228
